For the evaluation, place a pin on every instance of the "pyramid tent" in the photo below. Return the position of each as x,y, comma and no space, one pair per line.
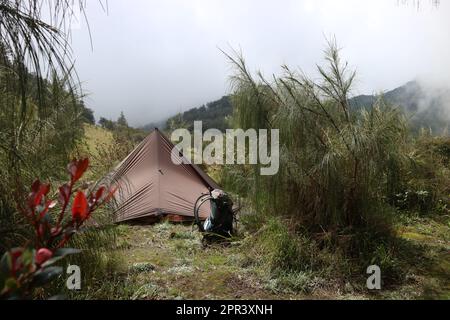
151,185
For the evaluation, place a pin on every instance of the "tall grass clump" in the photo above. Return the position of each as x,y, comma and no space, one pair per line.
33,144
39,110
338,166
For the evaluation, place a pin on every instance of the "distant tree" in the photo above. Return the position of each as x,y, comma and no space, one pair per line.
122,121
106,124
102,122
213,116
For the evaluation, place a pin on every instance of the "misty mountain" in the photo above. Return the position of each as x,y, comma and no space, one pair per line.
213,115
426,107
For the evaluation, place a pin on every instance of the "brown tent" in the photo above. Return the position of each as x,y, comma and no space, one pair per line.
152,186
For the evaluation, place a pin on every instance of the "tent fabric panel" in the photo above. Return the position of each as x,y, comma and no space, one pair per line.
183,162
180,186
151,185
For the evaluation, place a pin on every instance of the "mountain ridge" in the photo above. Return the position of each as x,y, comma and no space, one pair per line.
426,107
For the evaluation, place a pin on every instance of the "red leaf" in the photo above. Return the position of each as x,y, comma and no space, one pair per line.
80,207
64,194
34,191
43,191
37,199
99,193
35,186
38,191
43,255
77,168
93,198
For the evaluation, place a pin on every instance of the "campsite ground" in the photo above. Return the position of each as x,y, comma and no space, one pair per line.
168,261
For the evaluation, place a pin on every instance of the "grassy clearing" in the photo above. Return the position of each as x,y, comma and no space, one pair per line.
98,145
95,136
431,272
167,261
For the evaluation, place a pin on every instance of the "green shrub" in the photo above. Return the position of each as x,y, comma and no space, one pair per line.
337,165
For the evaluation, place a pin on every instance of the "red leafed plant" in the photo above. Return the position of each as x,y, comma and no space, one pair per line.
31,266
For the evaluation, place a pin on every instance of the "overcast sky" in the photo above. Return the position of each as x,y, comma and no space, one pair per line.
153,59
